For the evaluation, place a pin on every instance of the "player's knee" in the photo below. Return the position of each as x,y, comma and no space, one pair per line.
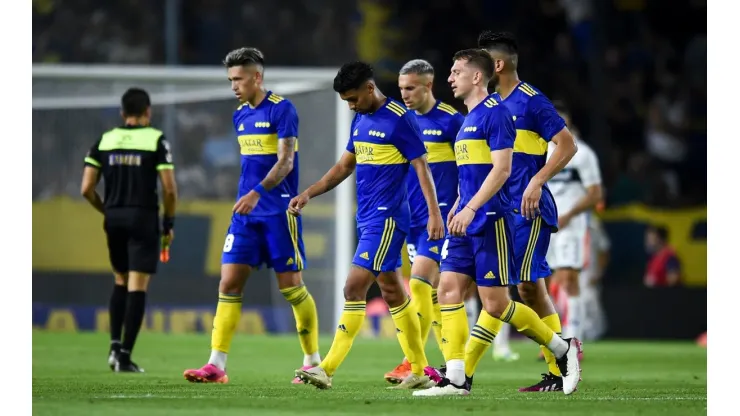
138,282
352,293
494,300
289,279
450,292
568,279
233,277
528,292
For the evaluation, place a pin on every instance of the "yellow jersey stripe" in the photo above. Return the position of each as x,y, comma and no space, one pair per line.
396,108
447,107
293,229
528,88
385,243
396,112
506,250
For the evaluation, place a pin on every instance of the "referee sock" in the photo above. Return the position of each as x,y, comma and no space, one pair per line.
134,318
116,312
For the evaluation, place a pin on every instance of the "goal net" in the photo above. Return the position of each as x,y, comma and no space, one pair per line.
73,105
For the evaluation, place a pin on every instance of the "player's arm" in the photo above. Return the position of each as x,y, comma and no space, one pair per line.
501,135
407,139
166,170
591,179
552,128
91,177
286,119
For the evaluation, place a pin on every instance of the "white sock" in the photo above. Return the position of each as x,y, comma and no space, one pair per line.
501,341
218,358
312,359
472,310
558,346
456,372
574,327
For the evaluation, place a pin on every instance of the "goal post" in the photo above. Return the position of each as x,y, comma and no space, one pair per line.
73,104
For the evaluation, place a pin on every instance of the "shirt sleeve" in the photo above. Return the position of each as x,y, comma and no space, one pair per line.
500,130
285,118
453,128
93,157
407,137
164,155
589,168
546,120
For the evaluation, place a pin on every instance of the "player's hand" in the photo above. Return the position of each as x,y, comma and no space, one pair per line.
450,216
531,200
563,221
461,220
297,203
246,204
435,227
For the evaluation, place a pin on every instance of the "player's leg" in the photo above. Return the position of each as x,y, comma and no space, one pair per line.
243,249
567,257
492,251
424,259
117,241
288,259
456,270
472,304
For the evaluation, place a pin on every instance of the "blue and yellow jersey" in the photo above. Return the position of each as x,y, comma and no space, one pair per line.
488,127
259,129
536,122
438,130
383,143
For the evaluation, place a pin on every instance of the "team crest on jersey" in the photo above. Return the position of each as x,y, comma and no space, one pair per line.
262,124
376,133
432,132
470,129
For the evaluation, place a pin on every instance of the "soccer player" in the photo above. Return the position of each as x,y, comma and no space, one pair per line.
537,123
384,140
439,123
130,159
261,230
598,245
577,190
480,236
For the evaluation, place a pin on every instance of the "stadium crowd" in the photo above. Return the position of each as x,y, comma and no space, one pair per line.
649,63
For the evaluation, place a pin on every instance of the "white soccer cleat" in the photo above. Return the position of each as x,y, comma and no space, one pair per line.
570,366
315,376
444,388
412,381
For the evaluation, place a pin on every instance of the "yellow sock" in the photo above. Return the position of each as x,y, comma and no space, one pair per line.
349,326
552,322
526,321
409,336
480,339
306,318
228,312
437,321
454,330
421,301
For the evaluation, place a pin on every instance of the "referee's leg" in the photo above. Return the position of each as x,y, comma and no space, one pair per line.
118,254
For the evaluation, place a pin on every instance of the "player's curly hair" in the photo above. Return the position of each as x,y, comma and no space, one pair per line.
352,75
478,58
504,41
243,57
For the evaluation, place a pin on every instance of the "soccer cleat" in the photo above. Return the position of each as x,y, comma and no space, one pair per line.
570,367
444,388
112,360
209,373
549,382
296,379
505,355
413,381
315,376
127,367
398,374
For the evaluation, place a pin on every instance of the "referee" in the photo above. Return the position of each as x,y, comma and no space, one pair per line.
130,158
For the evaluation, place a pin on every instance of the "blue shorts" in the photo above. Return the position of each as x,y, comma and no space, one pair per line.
531,240
485,257
418,244
275,240
379,247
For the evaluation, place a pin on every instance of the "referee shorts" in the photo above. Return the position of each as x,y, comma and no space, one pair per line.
133,239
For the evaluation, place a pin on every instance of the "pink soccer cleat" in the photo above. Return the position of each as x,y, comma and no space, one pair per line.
209,373
297,380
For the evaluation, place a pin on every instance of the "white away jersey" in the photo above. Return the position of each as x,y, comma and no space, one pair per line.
570,184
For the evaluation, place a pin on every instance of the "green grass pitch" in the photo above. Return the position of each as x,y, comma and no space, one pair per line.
71,377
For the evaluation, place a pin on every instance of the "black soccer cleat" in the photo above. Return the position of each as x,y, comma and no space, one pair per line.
125,365
549,382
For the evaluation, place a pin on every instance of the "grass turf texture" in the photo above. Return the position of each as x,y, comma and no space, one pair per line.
71,377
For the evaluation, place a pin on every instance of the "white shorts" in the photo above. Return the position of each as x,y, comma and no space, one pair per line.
568,246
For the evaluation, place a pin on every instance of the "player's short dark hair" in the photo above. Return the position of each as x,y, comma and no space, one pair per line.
244,57
660,231
352,75
478,58
135,102
501,41
418,67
